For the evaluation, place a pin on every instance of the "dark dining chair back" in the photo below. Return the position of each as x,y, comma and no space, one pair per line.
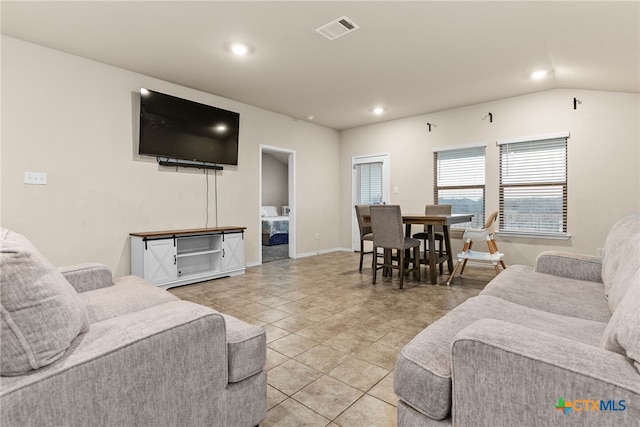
388,233
438,235
386,223
366,233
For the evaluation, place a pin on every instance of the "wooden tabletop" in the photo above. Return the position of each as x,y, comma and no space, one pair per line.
232,228
430,219
436,219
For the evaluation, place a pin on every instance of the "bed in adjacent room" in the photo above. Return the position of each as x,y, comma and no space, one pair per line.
275,228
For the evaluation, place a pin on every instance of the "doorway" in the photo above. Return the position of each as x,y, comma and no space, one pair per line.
370,182
277,204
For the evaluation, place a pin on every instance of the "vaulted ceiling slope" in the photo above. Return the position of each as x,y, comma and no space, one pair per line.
410,57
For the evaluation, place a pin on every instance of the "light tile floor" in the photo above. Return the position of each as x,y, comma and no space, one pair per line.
332,336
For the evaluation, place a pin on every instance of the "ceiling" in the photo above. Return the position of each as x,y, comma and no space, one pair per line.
411,57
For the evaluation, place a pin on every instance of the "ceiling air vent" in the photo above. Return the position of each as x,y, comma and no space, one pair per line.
337,28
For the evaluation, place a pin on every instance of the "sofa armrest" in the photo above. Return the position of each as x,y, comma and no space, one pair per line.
166,365
88,276
506,374
573,266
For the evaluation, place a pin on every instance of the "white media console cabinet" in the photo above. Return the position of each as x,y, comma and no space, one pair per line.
179,257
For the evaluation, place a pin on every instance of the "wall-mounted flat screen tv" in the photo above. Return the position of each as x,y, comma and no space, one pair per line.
176,128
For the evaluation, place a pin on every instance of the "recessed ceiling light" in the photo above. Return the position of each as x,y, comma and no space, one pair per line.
537,75
239,49
378,110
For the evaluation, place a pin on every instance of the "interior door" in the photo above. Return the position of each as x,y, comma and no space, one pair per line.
370,182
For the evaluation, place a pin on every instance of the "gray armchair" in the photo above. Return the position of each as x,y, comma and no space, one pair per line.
115,352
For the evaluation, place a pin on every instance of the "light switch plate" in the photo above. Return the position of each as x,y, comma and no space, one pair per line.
35,178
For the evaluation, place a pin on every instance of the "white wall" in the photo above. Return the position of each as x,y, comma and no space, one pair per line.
76,120
603,164
275,182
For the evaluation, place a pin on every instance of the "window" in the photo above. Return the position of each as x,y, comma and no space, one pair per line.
533,185
368,183
459,181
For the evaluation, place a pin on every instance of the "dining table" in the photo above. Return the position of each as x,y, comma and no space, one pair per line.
431,221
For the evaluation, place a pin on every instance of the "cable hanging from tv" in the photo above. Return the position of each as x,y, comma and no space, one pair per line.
166,161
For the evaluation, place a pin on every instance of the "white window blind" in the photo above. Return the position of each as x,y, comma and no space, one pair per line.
460,181
533,186
368,183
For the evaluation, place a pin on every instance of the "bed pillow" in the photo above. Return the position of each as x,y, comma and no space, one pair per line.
269,211
41,313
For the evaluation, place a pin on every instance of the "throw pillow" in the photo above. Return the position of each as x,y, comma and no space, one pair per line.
620,259
41,313
620,287
622,334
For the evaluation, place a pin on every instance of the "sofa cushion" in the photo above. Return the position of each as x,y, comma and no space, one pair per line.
621,258
87,276
576,298
127,295
41,312
422,377
623,331
246,348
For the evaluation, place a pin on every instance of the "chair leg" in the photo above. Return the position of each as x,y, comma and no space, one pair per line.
361,254
464,264
386,260
467,247
374,264
374,259
493,248
440,253
453,273
401,266
416,263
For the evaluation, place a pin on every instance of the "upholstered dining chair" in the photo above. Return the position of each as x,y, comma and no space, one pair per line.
366,233
388,234
437,235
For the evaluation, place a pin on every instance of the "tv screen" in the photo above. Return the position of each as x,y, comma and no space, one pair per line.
180,129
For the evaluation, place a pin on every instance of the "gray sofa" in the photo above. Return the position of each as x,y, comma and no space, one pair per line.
80,348
558,344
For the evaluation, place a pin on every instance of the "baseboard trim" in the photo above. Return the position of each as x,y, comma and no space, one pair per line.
323,251
305,255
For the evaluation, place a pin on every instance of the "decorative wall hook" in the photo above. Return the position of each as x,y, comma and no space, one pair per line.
431,125
490,117
576,101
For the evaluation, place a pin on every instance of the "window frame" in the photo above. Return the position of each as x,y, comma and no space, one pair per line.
528,181
477,221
